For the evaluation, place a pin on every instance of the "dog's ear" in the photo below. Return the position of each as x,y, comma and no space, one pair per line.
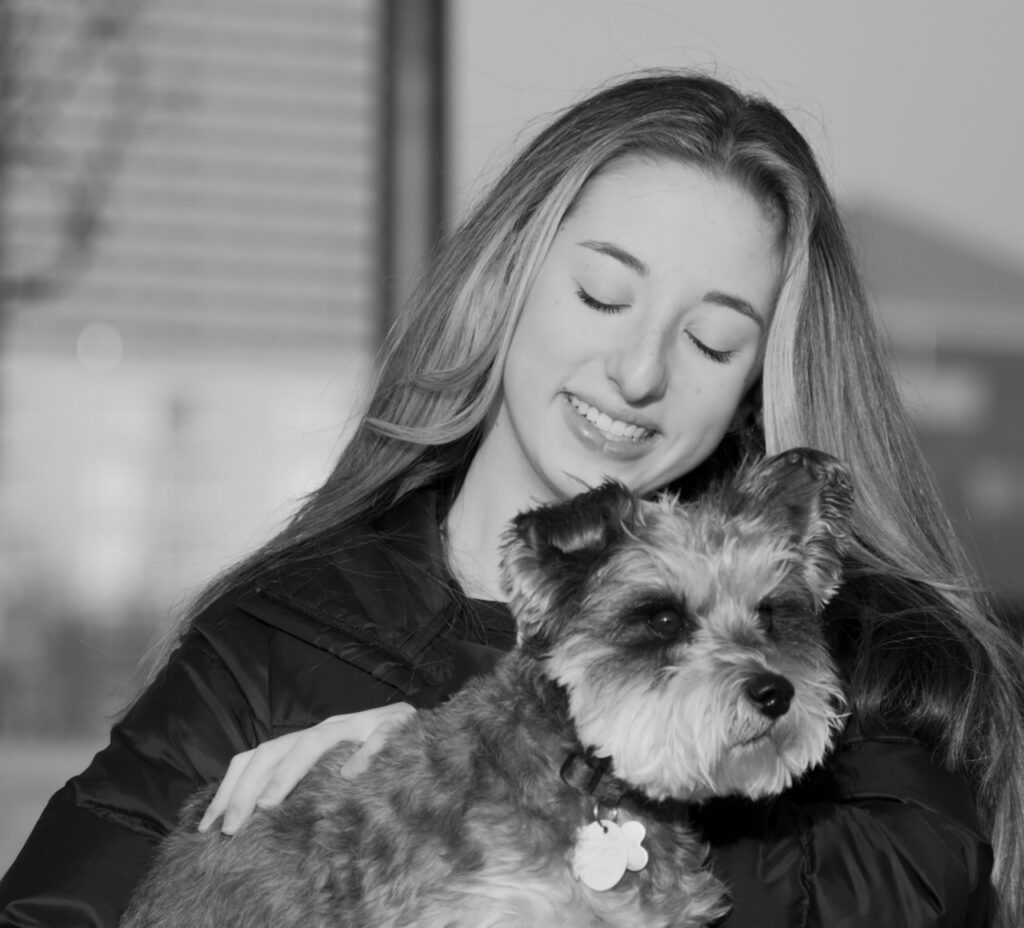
808,494
548,553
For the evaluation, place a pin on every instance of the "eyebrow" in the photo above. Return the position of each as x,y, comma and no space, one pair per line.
620,255
637,266
734,302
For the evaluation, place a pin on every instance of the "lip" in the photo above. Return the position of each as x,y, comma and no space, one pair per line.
622,449
756,739
628,416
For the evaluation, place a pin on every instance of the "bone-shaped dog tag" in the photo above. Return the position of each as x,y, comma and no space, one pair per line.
634,834
601,855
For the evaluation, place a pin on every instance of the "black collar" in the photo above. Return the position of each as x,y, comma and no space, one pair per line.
586,772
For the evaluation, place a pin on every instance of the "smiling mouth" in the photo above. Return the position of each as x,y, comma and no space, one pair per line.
612,429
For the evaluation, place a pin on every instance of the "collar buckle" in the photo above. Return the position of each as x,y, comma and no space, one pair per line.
584,771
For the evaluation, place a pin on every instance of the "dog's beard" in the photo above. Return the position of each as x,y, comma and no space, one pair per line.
686,730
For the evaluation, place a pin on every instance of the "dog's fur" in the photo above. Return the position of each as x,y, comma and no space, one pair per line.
681,641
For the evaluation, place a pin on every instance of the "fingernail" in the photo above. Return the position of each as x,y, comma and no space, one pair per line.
229,825
267,802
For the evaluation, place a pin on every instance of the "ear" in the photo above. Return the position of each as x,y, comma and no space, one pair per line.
549,551
809,495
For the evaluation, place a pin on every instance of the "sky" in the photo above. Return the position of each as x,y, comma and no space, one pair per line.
912,104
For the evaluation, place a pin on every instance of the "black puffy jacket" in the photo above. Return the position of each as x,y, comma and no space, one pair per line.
880,837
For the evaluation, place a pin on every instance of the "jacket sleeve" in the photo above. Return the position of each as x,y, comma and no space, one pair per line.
94,840
883,837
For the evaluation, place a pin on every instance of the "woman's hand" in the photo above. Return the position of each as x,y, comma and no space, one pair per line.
265,775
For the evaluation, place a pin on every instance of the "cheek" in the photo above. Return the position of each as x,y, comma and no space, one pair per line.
705,415
547,337
706,400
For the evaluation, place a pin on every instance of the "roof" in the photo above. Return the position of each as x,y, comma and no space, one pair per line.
905,258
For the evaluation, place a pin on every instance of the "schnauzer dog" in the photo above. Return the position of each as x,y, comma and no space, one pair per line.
667,652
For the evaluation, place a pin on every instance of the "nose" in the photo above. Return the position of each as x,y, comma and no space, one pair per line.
637,365
770,693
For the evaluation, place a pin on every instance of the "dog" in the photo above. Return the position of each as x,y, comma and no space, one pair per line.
667,652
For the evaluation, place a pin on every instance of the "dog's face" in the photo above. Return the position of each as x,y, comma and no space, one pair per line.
688,636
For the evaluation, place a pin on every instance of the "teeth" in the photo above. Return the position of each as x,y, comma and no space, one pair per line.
614,428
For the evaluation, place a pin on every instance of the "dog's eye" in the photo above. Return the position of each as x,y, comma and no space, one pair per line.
765,616
666,623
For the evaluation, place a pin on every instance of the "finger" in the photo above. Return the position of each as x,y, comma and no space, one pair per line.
360,760
220,799
305,752
396,713
361,725
252,780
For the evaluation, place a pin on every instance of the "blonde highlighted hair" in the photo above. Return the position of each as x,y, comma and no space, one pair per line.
826,383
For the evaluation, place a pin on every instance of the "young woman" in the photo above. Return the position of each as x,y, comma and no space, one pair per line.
658,285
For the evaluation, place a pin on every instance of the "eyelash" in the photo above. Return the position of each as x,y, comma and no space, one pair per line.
588,300
719,357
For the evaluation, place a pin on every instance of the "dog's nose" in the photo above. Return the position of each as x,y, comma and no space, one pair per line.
771,693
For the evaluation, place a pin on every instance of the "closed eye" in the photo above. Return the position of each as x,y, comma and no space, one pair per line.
593,303
720,357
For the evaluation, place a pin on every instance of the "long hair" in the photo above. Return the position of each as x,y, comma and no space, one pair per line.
826,383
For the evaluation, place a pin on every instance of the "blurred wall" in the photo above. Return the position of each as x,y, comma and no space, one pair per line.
190,270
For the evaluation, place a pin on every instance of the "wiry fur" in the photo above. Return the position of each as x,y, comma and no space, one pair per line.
646,630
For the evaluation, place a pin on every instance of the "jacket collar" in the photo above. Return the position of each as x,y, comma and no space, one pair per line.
384,585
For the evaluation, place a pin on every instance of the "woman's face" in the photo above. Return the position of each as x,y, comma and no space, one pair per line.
642,333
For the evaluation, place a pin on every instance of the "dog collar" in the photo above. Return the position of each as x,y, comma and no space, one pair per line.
585,771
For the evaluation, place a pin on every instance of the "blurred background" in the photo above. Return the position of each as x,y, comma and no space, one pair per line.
210,211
